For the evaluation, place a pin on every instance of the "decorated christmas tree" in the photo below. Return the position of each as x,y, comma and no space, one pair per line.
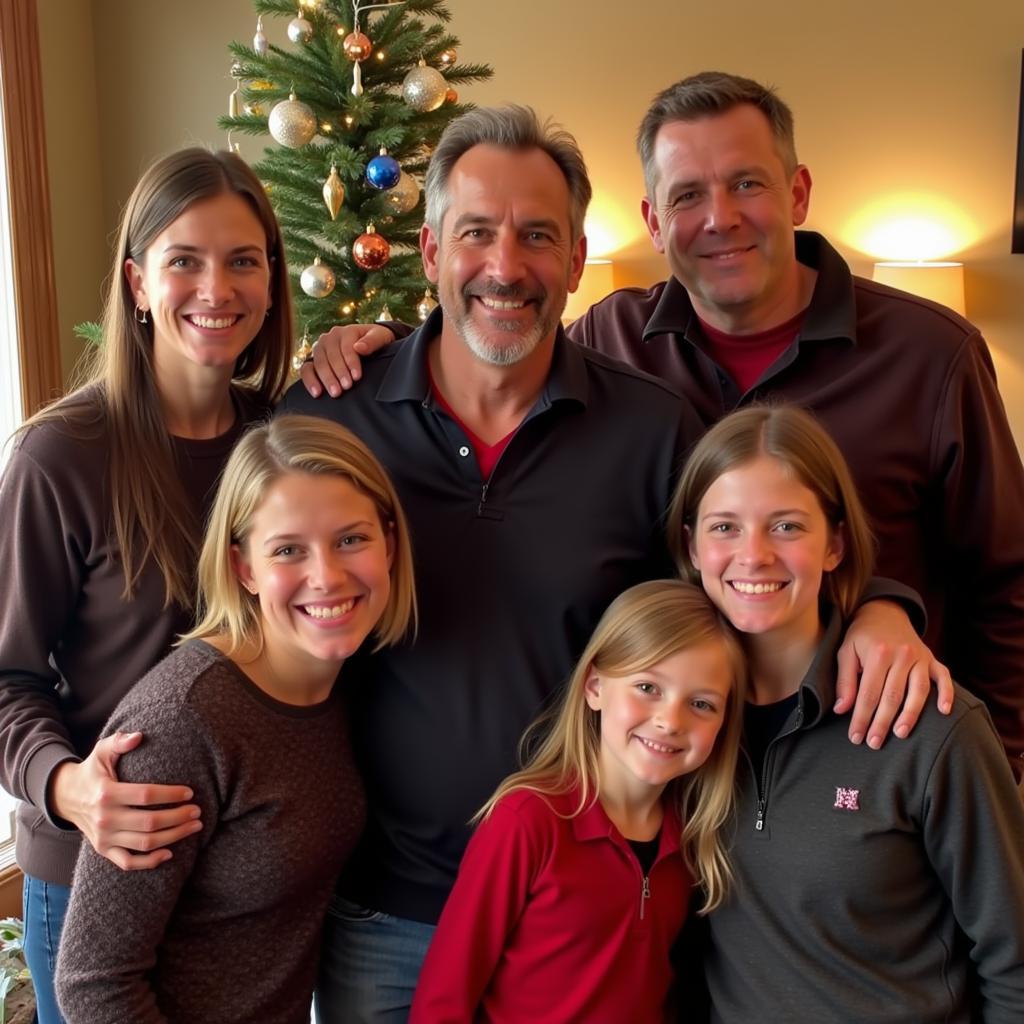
356,105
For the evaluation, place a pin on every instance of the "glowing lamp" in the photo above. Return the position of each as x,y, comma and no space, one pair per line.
939,282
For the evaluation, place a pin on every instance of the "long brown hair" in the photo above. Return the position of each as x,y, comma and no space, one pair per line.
796,439
643,626
151,518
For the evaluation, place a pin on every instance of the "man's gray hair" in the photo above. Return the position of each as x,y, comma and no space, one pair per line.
510,127
705,95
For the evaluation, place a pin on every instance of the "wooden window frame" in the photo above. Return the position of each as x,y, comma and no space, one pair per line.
28,186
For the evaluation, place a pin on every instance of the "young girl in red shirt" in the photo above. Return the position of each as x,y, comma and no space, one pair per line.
577,880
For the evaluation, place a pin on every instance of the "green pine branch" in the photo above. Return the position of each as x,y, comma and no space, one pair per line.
352,129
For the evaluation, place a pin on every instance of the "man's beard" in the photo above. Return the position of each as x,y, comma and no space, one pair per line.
527,339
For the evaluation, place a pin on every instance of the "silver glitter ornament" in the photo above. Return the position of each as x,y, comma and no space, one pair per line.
424,88
404,196
292,123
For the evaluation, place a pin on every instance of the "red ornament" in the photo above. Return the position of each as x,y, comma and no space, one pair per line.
451,96
357,46
371,251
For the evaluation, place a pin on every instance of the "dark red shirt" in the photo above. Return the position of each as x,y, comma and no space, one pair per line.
548,922
487,455
747,356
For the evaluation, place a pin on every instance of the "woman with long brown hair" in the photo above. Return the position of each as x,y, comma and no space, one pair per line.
103,504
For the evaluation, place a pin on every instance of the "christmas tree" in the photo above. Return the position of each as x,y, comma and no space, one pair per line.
357,105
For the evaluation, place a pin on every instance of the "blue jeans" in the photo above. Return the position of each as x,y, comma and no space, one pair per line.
369,965
45,906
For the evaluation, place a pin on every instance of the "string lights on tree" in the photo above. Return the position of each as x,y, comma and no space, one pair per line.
355,97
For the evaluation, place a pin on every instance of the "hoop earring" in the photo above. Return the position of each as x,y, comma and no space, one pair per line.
141,319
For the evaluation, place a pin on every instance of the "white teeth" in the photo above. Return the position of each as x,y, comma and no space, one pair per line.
320,612
213,323
756,588
499,304
659,747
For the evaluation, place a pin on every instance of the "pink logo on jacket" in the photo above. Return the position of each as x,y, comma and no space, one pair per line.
847,799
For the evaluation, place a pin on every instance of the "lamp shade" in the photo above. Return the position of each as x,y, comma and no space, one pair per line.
940,282
597,281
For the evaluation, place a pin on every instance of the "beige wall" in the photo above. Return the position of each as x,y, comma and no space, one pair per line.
890,98
73,157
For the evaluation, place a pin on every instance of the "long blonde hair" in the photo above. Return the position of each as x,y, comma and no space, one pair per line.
643,626
293,444
796,439
151,517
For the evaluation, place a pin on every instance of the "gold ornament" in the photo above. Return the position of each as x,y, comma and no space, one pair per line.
426,305
236,70
370,251
317,280
447,57
254,109
385,314
404,196
261,85
451,96
424,88
334,192
302,353
357,46
292,123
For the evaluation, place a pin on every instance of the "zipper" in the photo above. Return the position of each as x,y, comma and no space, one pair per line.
769,760
645,894
483,496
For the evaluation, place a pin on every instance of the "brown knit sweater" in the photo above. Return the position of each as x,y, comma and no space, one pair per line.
228,930
70,645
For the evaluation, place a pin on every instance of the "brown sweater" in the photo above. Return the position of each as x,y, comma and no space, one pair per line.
229,929
70,645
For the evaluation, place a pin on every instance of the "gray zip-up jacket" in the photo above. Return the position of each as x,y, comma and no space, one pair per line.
874,886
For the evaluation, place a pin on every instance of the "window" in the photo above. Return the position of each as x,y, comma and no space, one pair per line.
29,353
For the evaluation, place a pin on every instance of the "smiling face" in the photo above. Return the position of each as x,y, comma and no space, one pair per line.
319,560
205,282
662,722
762,545
723,213
505,259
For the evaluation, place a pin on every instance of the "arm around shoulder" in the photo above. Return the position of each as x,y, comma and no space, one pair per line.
116,919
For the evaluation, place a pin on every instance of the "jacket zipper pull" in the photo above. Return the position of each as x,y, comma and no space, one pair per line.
483,500
760,816
645,895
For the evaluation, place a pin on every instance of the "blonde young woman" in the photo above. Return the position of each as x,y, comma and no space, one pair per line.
306,556
573,890
103,502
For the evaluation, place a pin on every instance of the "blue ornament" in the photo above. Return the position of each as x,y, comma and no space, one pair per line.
383,171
